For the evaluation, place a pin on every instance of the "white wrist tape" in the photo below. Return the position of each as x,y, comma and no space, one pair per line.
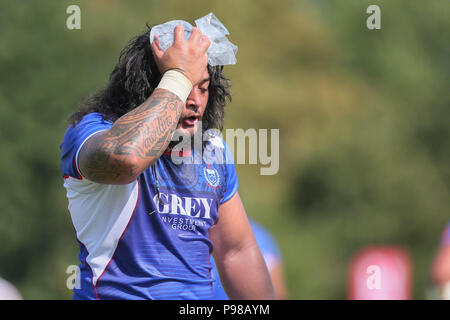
176,82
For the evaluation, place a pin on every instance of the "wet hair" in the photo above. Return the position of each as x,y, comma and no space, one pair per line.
133,80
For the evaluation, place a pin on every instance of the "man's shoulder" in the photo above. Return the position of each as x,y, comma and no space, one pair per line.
75,136
87,121
92,117
216,143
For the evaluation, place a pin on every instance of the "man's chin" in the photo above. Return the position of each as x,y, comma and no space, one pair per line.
187,132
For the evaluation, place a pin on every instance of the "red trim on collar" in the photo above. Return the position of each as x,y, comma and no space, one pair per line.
186,153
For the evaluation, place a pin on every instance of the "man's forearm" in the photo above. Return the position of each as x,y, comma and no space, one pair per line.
145,132
134,142
244,275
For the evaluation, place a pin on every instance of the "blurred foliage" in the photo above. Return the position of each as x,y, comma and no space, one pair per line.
363,118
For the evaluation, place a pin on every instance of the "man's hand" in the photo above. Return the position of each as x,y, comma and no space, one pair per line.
188,56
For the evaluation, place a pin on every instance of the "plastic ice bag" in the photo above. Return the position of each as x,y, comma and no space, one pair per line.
221,51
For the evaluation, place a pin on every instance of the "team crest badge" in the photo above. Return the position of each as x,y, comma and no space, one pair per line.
212,177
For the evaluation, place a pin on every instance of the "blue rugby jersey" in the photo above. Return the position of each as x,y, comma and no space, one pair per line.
136,244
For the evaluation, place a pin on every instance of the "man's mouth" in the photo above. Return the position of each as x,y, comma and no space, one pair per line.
190,121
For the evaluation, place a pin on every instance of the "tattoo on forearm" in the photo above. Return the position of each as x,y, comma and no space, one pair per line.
144,133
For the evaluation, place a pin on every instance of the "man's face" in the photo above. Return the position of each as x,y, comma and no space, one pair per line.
195,107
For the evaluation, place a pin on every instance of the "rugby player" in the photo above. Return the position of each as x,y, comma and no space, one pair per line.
146,226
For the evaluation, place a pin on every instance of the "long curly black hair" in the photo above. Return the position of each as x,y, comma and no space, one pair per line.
133,80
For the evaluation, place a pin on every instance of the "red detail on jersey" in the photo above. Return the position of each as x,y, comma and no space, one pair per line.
187,153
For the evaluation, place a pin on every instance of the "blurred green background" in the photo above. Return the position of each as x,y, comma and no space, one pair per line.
363,118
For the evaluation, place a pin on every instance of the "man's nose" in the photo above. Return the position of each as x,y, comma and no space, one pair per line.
193,99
